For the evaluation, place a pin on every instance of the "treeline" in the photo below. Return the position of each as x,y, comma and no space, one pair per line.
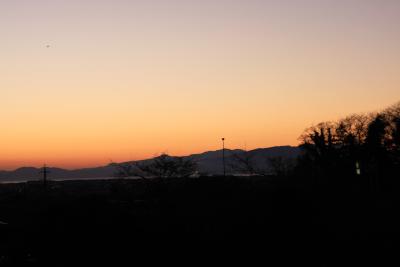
365,146
360,145
163,166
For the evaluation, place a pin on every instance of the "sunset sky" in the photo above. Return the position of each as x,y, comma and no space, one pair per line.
84,82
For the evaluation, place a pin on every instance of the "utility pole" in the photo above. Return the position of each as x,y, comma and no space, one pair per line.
45,171
223,155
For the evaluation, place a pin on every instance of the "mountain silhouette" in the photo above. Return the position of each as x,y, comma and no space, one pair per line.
209,163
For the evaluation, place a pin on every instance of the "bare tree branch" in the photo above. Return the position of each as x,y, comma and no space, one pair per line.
163,166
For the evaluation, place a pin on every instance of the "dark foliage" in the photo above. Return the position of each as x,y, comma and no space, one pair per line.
363,145
243,163
341,199
206,219
163,166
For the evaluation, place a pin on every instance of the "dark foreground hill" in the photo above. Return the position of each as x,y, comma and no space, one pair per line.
208,162
210,220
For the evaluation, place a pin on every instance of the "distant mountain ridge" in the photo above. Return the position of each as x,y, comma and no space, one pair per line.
209,162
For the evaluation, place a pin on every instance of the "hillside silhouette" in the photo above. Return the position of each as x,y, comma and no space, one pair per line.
338,198
208,163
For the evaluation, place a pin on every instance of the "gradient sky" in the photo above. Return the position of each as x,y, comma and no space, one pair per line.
131,79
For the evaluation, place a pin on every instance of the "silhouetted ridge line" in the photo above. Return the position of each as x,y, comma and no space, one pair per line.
208,162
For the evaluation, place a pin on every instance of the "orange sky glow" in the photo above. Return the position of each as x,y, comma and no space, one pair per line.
84,83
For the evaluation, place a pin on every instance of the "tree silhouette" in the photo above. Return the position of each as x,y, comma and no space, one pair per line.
127,170
358,144
280,166
163,166
244,163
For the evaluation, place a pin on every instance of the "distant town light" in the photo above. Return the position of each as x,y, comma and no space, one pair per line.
358,169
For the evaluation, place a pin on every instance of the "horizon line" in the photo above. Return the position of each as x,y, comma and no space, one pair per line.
97,166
